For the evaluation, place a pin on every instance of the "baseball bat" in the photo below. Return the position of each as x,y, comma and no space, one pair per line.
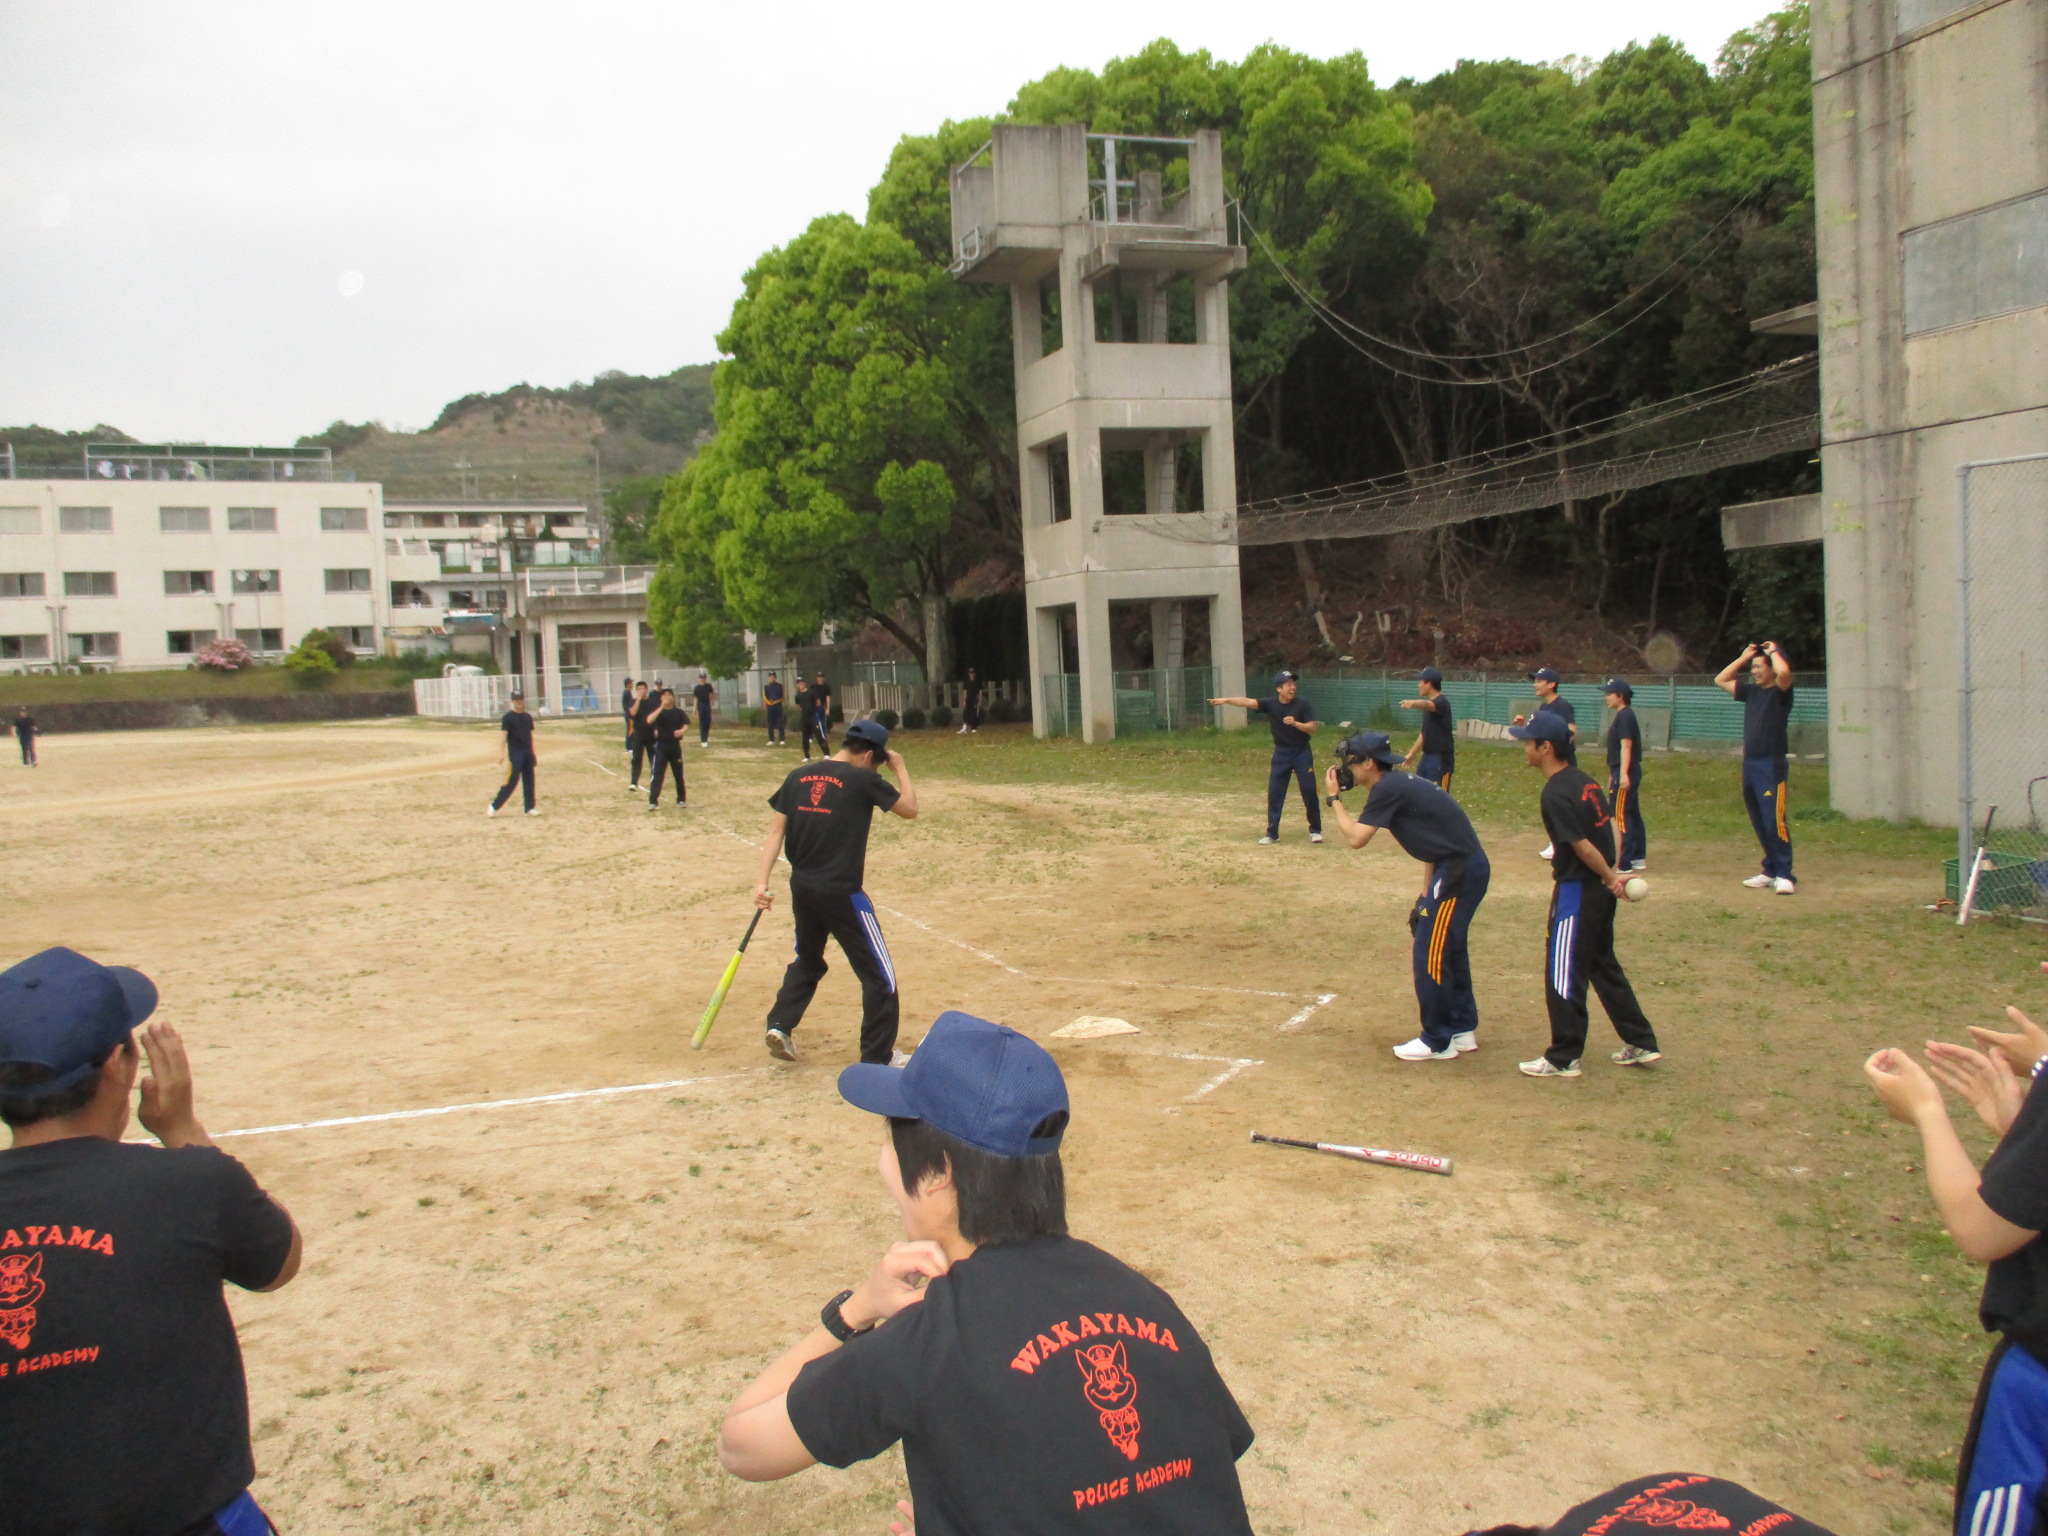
732,969
1976,870
1421,1162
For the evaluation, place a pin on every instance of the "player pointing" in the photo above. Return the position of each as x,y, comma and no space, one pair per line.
1293,720
1430,826
1437,746
822,815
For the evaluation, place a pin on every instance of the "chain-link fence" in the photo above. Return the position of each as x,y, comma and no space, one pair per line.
2002,643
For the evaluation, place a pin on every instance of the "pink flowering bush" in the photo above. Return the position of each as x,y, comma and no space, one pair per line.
223,655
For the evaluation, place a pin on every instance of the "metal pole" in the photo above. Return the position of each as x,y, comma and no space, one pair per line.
1109,179
1964,800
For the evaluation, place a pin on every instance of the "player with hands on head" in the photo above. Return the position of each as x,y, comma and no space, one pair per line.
1433,828
1293,719
1035,1382
126,1405
1437,745
1766,699
1585,893
822,814
1996,1219
1550,702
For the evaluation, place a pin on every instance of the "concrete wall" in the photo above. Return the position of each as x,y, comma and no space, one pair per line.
1924,111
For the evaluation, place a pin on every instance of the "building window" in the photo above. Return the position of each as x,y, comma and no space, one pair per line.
185,583
102,647
344,519
88,583
1987,263
24,647
184,520
358,637
85,519
351,580
21,584
252,519
470,520
261,639
1055,470
183,642
255,583
21,519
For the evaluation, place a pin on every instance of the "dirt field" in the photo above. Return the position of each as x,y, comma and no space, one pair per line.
528,1318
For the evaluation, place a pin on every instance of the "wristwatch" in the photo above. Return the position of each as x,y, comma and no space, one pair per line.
1329,800
835,1321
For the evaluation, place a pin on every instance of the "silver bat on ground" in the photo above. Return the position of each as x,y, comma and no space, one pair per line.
1421,1162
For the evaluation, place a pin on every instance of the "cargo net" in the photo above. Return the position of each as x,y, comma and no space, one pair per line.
2003,744
1758,416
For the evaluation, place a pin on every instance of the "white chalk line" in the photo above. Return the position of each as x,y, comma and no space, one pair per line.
1236,1065
1302,1017
456,1109
600,767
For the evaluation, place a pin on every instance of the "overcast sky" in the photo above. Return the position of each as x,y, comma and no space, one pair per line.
236,222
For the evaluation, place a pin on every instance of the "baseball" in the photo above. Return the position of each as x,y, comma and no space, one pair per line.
1636,889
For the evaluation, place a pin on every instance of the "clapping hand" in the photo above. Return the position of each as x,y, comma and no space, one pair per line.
907,1526
2022,1048
1983,1080
1902,1085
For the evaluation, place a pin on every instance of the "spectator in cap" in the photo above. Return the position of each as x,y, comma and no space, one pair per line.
1550,702
1434,830
773,695
1625,776
626,709
1293,720
1584,894
1766,699
25,735
121,1385
516,755
706,697
1035,1382
822,815
1437,746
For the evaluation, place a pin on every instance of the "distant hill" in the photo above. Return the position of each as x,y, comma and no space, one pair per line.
39,446
538,442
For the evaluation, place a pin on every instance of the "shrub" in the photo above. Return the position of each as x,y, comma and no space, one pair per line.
913,719
888,718
755,717
224,655
332,644
942,715
1001,711
309,663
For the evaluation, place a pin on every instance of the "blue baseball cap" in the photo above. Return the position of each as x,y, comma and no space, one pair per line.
871,732
63,1012
980,1083
1372,744
1543,726
1285,677
1618,685
1544,674
1431,676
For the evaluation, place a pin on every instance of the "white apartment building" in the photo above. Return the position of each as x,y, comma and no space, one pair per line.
143,555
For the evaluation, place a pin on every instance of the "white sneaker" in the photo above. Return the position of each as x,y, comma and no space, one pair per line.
534,812
781,1047
1548,850
490,810
1315,837
899,1058
1418,1050
1635,1056
1543,1067
1465,1040
652,809
1759,882
1784,887
1268,840
961,732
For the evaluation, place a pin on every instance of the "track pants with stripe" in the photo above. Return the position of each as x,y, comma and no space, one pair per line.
1763,796
518,771
1301,767
1443,965
1999,1482
816,725
850,920
1437,767
1581,955
1625,795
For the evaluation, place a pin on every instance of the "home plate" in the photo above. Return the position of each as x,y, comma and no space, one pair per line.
1089,1027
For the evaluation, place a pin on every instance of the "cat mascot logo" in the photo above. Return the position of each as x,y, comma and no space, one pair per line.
817,790
21,1287
1679,1514
1113,1390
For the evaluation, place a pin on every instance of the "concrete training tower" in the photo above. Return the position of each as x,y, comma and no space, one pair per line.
1117,254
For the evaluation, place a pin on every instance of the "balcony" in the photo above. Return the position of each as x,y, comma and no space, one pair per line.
587,581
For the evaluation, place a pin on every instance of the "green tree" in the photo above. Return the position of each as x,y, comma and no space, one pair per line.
630,510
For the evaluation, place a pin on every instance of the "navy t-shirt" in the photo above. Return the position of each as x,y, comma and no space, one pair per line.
1427,823
1764,713
830,806
518,728
772,694
1039,1387
1439,729
1562,708
2015,1185
702,693
1285,737
1574,807
1622,728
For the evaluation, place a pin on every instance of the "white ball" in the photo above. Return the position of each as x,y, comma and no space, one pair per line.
1637,888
